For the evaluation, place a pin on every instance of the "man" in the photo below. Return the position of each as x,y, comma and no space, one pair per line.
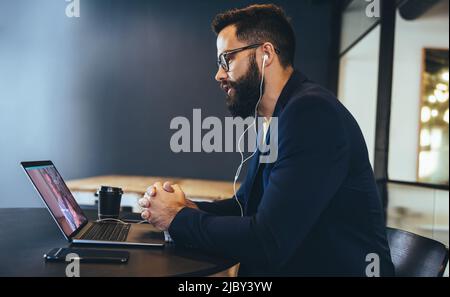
315,211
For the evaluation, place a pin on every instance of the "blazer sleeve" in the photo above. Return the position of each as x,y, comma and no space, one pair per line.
227,207
313,158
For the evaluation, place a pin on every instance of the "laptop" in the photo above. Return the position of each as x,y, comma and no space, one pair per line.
71,220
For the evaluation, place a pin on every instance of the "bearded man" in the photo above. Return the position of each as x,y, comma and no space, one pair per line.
315,211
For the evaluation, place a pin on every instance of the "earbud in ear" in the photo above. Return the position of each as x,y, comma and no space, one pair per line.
266,56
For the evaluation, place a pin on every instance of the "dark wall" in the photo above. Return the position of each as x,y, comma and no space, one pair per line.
96,94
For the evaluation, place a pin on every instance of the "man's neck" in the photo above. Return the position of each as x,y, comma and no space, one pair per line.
274,85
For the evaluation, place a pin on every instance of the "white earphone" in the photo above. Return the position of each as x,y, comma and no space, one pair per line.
238,171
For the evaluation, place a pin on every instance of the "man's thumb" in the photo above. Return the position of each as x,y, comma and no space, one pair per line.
168,187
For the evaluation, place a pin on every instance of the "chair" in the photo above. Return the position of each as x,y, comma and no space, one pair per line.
415,256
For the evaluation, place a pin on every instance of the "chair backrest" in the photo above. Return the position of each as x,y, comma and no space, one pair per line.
414,255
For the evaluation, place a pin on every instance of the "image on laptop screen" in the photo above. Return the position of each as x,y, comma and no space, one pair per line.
57,196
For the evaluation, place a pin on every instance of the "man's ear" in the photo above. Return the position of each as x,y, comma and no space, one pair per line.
268,53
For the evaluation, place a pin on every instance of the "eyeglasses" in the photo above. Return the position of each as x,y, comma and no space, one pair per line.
225,57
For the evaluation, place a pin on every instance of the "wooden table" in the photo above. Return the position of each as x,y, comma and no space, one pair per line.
193,188
24,241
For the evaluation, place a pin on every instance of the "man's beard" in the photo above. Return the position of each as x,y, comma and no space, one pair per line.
246,92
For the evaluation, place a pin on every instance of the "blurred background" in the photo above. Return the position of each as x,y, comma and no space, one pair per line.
393,77
96,94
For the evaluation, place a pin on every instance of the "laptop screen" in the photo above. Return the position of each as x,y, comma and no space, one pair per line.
57,196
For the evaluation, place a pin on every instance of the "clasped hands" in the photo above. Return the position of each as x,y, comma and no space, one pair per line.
162,202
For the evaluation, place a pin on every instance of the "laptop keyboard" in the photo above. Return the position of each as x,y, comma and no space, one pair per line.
102,231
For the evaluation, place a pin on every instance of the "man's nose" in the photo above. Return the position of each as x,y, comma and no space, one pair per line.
221,74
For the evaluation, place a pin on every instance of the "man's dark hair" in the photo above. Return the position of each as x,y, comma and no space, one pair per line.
261,23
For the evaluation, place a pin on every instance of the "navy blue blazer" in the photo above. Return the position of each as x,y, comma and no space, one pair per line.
315,211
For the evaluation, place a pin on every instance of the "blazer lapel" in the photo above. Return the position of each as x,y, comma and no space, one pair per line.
293,83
